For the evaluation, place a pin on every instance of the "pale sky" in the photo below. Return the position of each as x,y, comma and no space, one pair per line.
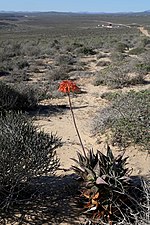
75,5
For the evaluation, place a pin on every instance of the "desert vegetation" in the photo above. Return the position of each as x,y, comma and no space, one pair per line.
47,175
127,116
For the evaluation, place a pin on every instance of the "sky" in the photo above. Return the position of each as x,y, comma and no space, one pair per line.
75,5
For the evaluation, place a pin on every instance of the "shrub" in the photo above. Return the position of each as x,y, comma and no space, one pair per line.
77,45
121,47
25,153
118,57
17,97
136,51
11,49
60,73
49,91
143,68
30,49
86,51
65,59
110,95
145,41
22,64
117,77
128,118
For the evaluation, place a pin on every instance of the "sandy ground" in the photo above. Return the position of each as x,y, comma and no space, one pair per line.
85,106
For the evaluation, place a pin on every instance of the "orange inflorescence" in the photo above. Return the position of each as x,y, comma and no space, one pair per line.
68,86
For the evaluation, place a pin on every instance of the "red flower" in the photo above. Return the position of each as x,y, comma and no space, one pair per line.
68,86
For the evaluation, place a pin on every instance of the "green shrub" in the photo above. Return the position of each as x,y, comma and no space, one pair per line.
77,45
11,49
110,95
121,47
143,67
117,57
17,97
128,118
136,51
86,51
145,41
25,153
30,49
22,64
118,77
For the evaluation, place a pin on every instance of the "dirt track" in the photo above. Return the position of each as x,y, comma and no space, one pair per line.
144,31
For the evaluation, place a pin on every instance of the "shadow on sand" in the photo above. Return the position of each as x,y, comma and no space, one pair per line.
52,110
54,201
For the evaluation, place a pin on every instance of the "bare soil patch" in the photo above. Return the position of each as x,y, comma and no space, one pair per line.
144,31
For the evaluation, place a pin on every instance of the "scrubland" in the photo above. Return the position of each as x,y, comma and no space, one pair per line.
44,176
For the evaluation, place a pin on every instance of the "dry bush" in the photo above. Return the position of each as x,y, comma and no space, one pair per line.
136,51
65,59
50,91
118,76
121,47
25,153
128,118
59,73
85,51
143,65
117,57
110,95
17,97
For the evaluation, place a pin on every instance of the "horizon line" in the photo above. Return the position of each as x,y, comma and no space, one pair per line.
90,12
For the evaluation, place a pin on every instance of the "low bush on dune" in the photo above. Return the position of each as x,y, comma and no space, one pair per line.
118,77
86,51
136,51
17,97
143,65
121,47
25,153
128,118
117,57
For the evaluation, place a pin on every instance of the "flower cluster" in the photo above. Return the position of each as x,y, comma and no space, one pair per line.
68,86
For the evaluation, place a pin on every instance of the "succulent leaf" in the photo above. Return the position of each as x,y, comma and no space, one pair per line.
97,169
99,180
109,153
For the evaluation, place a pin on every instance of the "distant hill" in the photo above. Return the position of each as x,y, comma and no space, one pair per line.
21,13
147,11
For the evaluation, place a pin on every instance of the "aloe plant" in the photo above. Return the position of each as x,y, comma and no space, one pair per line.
107,186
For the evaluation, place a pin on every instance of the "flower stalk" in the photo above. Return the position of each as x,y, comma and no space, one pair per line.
67,86
75,125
